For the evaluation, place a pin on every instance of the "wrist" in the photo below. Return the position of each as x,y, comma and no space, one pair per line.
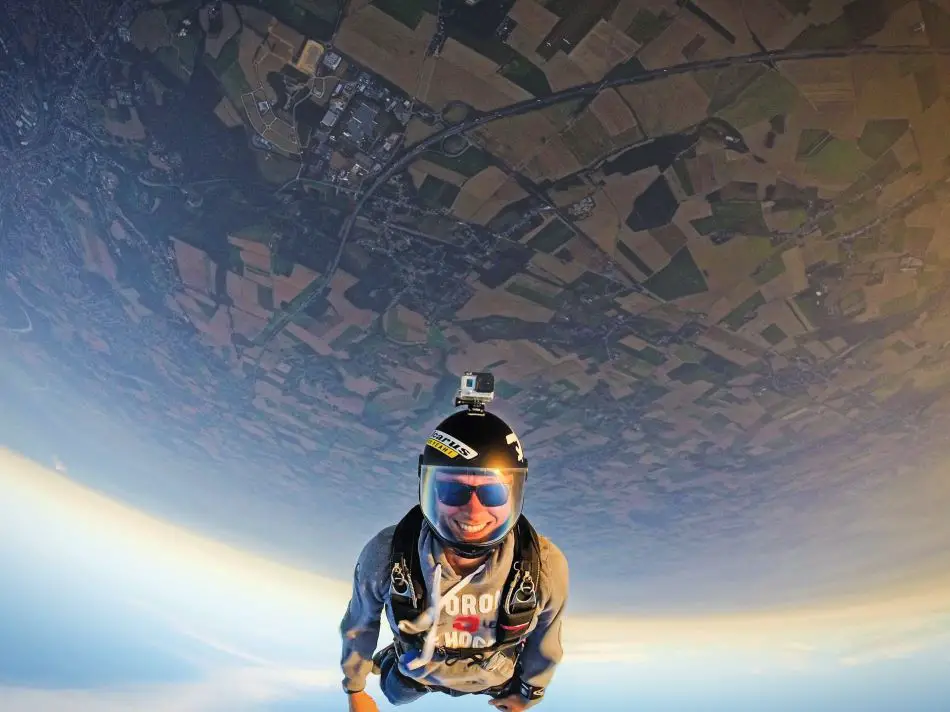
530,692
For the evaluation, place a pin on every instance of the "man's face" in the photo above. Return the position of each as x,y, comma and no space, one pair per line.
474,521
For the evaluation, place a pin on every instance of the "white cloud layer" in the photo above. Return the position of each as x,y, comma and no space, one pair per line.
225,690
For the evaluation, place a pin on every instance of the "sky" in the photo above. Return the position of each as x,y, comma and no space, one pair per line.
106,607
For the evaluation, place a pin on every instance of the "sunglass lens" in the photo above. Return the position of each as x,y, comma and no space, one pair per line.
493,495
453,494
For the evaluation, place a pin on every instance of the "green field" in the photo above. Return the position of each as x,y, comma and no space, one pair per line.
587,139
880,134
634,258
899,305
742,216
769,270
315,19
650,355
680,278
837,161
469,163
519,70
682,175
514,66
738,316
691,372
532,295
647,26
773,334
226,57
437,193
551,237
408,12
235,85
769,95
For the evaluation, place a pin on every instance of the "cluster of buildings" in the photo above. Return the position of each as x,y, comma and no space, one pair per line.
348,121
362,125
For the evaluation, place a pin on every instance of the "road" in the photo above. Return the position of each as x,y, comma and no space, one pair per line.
315,289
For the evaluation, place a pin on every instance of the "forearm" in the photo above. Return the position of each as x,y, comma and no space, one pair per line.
359,629
359,644
543,651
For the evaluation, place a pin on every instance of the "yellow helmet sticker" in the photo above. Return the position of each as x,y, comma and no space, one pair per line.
448,445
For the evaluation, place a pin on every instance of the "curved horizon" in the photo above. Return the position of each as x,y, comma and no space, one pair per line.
50,503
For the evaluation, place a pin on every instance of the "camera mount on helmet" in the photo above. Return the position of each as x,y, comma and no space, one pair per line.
476,389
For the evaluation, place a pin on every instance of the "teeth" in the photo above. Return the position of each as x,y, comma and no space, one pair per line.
472,528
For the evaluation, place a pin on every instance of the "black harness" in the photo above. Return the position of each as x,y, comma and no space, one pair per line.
520,600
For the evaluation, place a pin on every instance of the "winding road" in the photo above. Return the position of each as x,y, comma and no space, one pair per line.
316,288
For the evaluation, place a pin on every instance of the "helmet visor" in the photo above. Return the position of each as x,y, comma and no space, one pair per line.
472,506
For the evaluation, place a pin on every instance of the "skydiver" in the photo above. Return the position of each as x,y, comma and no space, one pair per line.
474,596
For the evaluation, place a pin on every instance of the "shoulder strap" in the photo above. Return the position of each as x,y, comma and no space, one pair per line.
521,596
407,585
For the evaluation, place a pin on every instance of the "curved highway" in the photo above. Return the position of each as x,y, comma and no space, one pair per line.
315,288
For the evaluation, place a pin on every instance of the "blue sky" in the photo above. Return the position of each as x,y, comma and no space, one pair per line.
106,608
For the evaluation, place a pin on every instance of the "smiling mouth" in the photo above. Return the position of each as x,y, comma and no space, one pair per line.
472,528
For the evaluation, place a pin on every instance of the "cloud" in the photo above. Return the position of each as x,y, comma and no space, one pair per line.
230,690
925,637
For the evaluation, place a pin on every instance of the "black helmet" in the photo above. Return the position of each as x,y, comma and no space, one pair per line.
471,481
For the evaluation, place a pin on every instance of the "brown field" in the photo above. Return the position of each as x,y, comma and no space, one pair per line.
829,87
428,168
554,161
231,24
604,223
376,40
131,130
930,130
563,73
772,23
555,269
249,49
587,139
467,205
667,49
534,23
668,105
227,113
645,246
284,41
822,13
731,298
482,197
500,302
881,91
613,113
518,139
265,62
601,50
563,196
461,73
150,31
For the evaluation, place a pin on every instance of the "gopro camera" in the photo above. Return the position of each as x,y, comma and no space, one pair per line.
476,388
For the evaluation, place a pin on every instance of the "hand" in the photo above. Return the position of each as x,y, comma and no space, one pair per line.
362,702
511,703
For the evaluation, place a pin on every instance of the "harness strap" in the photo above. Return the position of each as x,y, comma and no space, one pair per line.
520,596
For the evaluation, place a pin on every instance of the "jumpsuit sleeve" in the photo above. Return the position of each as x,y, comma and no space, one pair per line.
359,628
543,651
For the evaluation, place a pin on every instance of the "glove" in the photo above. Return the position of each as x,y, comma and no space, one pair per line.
362,702
512,703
